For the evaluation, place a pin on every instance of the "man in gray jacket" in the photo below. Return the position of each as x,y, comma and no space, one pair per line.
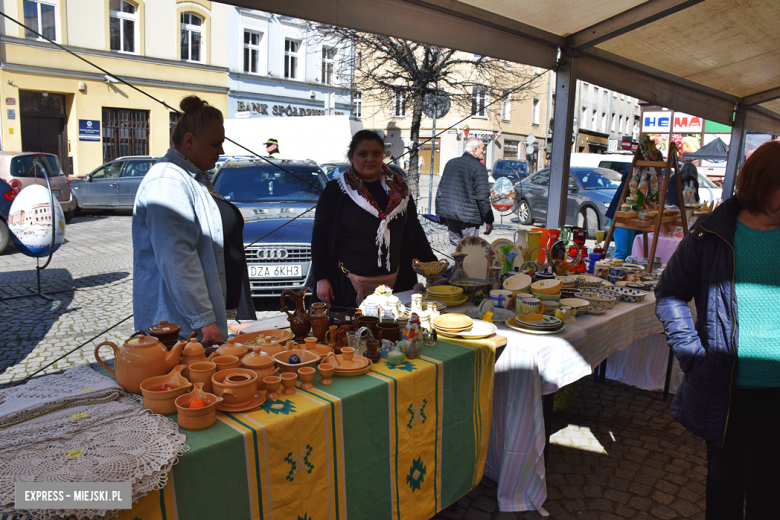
463,196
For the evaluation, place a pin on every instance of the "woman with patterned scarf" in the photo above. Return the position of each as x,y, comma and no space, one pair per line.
366,231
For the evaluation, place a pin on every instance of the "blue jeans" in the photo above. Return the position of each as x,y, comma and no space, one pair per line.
624,242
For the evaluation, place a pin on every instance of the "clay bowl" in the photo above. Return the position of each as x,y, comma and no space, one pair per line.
163,401
194,419
308,359
255,339
225,362
236,386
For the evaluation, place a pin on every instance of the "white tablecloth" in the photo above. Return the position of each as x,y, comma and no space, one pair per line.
534,365
665,248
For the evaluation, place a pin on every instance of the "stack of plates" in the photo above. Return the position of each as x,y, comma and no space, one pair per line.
452,323
479,329
547,325
568,282
448,294
357,366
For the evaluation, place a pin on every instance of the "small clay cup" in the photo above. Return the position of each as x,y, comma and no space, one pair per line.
306,375
288,382
201,372
225,362
326,371
272,384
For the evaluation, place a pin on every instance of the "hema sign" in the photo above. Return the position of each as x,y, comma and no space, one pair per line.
666,121
656,122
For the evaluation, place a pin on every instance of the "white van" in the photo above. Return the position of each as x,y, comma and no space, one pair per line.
622,163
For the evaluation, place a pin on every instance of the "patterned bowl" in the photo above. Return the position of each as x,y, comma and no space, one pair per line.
598,299
630,295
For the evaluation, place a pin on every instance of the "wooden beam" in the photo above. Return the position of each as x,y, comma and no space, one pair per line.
762,97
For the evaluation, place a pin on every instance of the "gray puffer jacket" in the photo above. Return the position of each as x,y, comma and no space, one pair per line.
464,192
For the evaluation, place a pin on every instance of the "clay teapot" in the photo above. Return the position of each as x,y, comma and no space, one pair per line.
229,349
300,323
140,358
193,352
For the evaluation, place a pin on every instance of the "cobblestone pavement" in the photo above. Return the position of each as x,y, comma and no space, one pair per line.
615,454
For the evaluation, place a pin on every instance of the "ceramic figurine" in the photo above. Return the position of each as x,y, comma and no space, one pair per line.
396,356
294,360
429,338
387,346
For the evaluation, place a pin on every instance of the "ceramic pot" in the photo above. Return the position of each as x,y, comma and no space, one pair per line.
288,382
306,375
225,362
372,350
166,333
236,386
300,323
193,352
319,327
229,349
140,358
272,384
326,371
195,419
388,331
163,401
201,372
261,364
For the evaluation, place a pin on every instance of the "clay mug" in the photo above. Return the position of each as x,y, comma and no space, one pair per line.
288,382
389,331
272,384
533,306
306,375
331,337
201,372
236,386
326,371
372,350
225,362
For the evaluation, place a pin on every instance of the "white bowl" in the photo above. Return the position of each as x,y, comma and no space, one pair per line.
518,283
598,299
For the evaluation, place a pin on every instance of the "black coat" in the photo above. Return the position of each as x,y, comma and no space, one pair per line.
702,268
325,235
464,192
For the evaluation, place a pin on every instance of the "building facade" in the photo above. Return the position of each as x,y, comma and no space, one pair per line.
604,117
56,103
504,124
278,68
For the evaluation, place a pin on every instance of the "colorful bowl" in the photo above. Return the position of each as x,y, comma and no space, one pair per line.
548,287
518,283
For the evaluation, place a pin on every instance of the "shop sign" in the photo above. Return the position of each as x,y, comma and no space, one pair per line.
279,110
687,124
481,135
89,130
11,113
10,101
656,122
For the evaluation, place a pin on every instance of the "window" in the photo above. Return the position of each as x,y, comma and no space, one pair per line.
594,124
584,89
603,123
358,100
595,89
612,125
191,37
535,112
39,15
328,54
252,51
399,104
291,58
620,124
479,102
614,94
109,171
542,178
584,118
506,106
125,132
623,97
122,18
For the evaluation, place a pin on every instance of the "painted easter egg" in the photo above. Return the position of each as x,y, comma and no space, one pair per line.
502,194
30,221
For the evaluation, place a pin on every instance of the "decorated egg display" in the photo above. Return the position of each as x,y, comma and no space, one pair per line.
30,221
502,195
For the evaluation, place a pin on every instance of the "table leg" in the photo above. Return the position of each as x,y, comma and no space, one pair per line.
548,401
646,249
668,382
603,371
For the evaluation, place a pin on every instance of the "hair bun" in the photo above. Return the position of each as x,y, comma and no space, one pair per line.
192,104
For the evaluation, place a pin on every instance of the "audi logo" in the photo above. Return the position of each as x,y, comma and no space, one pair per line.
272,254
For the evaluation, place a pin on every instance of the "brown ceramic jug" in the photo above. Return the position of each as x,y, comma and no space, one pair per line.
140,358
166,333
300,323
318,314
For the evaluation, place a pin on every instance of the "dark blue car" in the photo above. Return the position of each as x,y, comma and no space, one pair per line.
590,193
270,194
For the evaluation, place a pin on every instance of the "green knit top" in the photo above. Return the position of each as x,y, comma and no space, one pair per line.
758,299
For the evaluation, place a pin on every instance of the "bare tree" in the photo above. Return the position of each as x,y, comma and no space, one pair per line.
391,70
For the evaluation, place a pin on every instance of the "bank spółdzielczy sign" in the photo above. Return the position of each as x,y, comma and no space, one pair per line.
89,130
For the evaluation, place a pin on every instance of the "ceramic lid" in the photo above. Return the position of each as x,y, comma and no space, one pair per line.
142,341
192,348
235,349
163,328
257,359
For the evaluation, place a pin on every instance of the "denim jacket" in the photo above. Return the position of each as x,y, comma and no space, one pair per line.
178,262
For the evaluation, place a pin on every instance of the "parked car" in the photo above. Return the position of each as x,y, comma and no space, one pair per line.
7,196
333,169
590,193
21,169
113,185
269,195
514,170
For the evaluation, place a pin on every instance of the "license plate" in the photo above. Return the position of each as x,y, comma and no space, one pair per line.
275,271
56,193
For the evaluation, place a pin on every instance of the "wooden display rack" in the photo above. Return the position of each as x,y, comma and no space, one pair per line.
630,220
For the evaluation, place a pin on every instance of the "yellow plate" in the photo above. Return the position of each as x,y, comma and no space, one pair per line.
453,321
445,290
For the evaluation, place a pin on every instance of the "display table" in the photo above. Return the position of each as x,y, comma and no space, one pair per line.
531,366
665,249
399,442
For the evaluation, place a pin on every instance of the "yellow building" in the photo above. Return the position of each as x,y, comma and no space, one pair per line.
504,125
54,102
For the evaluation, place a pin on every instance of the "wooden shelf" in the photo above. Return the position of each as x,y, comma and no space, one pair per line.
651,164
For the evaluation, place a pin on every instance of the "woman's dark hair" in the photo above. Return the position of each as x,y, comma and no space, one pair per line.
363,135
196,114
759,178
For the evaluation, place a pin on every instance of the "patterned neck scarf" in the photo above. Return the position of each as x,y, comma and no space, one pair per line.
396,188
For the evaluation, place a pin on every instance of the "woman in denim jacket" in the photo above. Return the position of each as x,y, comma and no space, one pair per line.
188,255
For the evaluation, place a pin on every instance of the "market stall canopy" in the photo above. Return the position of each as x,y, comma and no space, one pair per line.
695,56
714,151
